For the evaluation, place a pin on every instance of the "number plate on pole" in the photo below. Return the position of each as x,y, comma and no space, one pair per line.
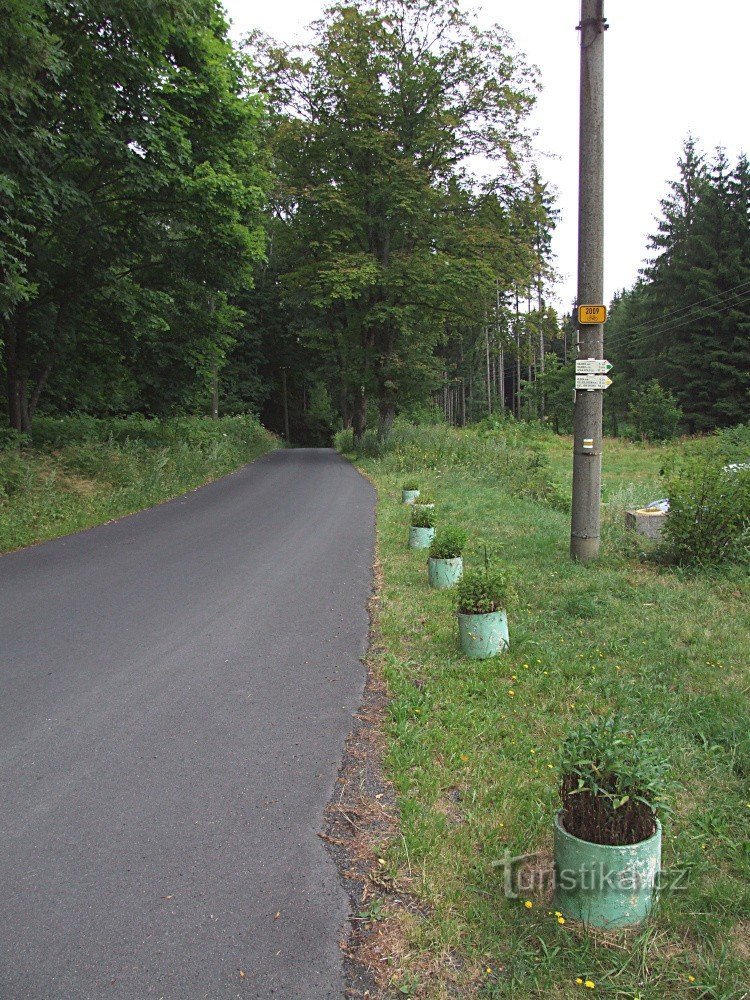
592,314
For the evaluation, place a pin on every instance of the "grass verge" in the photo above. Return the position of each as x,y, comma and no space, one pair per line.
81,471
472,746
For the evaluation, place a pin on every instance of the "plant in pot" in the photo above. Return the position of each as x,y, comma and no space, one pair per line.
482,600
445,566
607,834
424,501
422,529
409,491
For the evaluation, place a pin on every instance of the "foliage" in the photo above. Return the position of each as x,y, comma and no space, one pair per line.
473,752
131,189
654,413
383,236
688,317
481,592
424,500
410,485
449,544
509,454
83,471
709,515
613,782
422,517
553,389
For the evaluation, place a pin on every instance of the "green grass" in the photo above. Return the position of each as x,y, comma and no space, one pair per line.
475,766
81,471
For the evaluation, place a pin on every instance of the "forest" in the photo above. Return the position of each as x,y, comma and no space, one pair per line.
327,235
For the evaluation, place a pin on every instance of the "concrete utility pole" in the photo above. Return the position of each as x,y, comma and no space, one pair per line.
587,420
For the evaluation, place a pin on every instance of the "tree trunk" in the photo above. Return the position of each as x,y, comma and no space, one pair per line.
215,392
359,417
386,416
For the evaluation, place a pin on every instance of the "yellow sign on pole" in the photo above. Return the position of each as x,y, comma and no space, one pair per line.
592,314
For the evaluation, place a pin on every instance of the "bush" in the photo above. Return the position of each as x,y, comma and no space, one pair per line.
422,517
410,485
613,783
709,516
343,441
482,592
449,544
654,413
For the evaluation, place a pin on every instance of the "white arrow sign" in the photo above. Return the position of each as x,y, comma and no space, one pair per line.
593,366
591,382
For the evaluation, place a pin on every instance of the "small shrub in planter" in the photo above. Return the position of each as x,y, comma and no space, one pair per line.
409,491
445,566
482,601
424,501
422,529
607,833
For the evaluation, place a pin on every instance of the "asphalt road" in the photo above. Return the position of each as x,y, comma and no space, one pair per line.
175,692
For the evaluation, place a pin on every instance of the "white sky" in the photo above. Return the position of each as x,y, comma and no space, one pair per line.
671,68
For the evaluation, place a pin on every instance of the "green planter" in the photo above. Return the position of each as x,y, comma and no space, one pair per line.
483,635
420,538
409,496
603,885
444,573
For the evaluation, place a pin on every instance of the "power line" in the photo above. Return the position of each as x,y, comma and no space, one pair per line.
711,298
667,326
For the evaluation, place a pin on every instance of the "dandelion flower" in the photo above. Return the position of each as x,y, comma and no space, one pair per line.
589,984
579,981
561,920
528,904
691,979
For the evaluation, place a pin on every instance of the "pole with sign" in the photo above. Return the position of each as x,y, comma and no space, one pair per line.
592,314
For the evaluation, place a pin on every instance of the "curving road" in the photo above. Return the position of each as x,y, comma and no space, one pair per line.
175,691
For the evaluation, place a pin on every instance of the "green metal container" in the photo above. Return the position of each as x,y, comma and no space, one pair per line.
420,538
602,885
444,573
484,635
409,496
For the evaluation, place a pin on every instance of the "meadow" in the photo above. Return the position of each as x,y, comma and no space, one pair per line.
472,746
81,471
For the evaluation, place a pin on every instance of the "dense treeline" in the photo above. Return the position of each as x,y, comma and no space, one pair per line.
686,323
186,226
326,234
389,258
131,197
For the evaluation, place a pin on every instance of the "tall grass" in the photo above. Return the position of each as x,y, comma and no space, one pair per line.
81,471
507,454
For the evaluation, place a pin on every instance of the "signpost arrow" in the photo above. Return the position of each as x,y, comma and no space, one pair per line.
593,366
592,382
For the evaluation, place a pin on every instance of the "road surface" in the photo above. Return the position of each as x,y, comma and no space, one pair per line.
175,692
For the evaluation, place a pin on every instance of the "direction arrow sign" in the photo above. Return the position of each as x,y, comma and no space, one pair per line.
591,382
593,366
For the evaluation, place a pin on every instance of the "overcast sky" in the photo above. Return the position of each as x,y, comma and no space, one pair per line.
671,68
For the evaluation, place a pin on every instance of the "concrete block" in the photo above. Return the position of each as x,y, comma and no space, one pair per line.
646,521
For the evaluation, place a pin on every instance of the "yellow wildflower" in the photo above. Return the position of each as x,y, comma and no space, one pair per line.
528,904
